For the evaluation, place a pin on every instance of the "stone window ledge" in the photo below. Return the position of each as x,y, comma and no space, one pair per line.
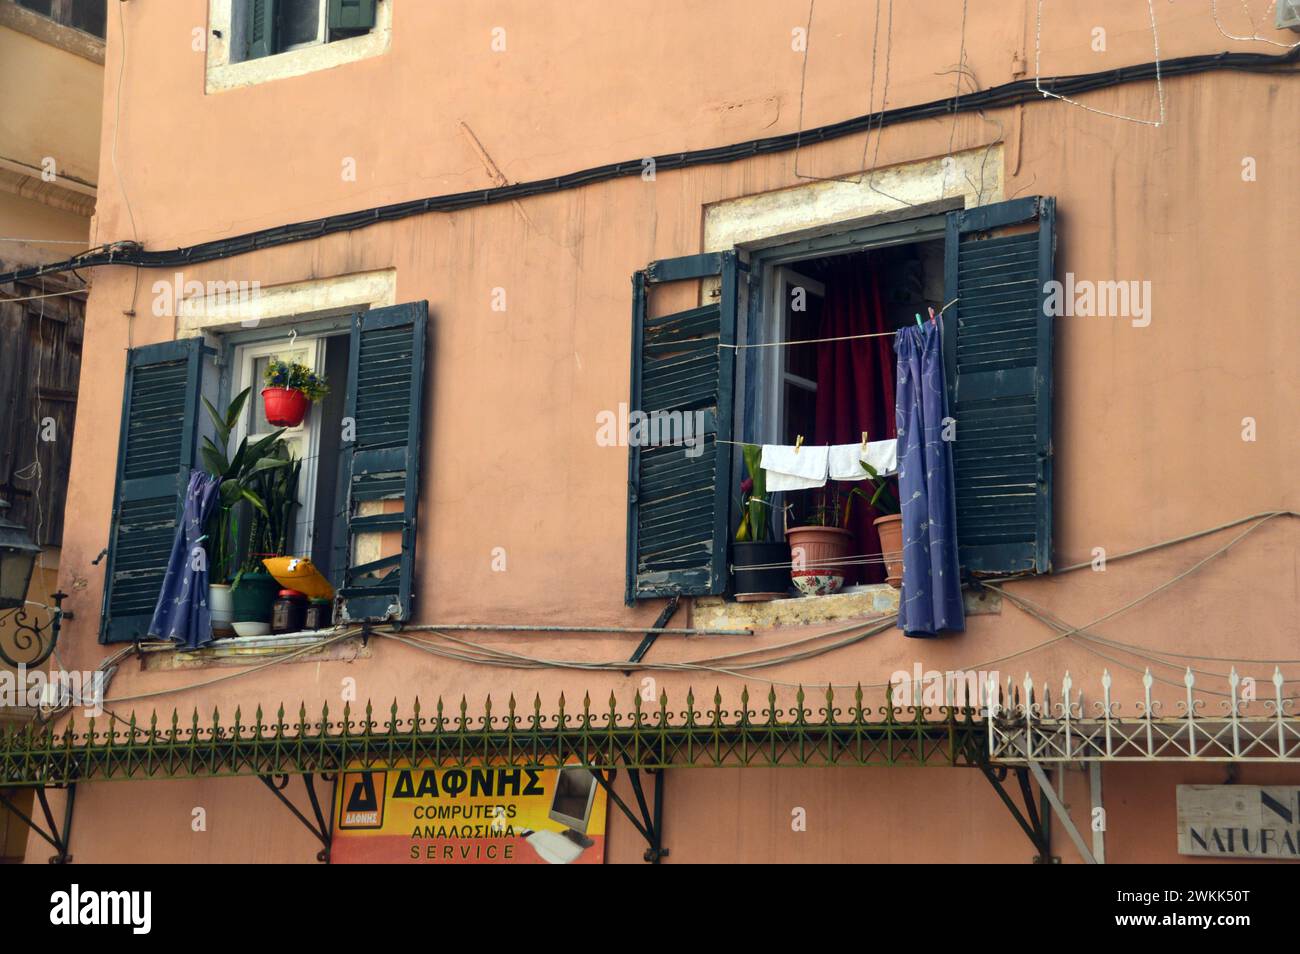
855,602
248,650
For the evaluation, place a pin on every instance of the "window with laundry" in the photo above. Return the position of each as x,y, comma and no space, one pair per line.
338,470
266,27
823,344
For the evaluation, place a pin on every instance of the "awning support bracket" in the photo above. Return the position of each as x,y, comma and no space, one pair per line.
660,623
1045,786
648,824
60,841
321,829
1035,820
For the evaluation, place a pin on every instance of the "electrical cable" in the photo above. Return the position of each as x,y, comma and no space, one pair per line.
479,654
1009,94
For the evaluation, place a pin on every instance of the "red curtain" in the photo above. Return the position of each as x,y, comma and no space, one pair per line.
855,387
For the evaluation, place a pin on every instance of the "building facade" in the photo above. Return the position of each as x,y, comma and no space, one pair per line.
509,229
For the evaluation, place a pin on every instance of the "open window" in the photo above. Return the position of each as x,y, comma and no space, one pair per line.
817,361
359,449
316,442
821,368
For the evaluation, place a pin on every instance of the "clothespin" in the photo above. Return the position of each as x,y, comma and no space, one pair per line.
864,442
932,321
918,321
798,442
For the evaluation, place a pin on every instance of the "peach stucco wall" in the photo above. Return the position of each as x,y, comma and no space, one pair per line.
1148,420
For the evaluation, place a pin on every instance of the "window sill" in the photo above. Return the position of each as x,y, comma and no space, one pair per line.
857,602
243,650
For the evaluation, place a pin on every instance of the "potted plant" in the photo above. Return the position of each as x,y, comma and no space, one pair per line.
240,475
273,500
291,388
889,526
820,547
759,564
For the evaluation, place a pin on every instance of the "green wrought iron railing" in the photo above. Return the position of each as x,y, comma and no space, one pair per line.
826,734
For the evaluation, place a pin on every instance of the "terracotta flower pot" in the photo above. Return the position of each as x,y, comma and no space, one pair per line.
815,552
891,547
284,407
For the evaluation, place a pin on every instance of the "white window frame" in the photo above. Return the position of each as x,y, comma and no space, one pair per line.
304,439
775,376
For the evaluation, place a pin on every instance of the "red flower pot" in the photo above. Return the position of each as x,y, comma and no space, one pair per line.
285,408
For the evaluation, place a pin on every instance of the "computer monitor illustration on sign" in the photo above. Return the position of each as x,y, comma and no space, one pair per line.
575,792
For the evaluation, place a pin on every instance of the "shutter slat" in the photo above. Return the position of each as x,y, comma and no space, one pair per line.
156,449
385,401
678,504
998,353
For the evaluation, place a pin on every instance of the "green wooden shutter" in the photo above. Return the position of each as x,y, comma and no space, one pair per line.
352,14
678,505
155,453
998,358
382,461
260,28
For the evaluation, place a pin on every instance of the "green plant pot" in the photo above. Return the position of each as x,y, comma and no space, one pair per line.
252,597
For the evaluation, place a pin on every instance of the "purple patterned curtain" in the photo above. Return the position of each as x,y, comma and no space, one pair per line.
182,613
930,601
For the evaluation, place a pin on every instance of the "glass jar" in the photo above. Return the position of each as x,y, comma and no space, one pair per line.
320,614
288,612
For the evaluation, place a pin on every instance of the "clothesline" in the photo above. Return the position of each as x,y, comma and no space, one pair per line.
782,344
873,334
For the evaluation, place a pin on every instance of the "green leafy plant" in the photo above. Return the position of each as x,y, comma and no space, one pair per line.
295,377
271,526
755,525
883,497
834,504
241,477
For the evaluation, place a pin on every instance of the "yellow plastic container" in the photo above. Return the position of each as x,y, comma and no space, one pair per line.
299,573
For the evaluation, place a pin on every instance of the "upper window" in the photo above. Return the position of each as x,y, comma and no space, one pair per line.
85,15
266,27
257,41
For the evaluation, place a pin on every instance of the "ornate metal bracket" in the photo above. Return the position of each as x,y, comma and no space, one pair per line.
650,826
28,633
58,840
321,829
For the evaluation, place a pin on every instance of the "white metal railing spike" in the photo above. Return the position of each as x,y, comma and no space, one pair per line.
1107,711
1280,713
1065,712
1029,716
1234,711
1146,685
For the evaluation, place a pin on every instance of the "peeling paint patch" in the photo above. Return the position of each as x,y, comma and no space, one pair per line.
860,602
